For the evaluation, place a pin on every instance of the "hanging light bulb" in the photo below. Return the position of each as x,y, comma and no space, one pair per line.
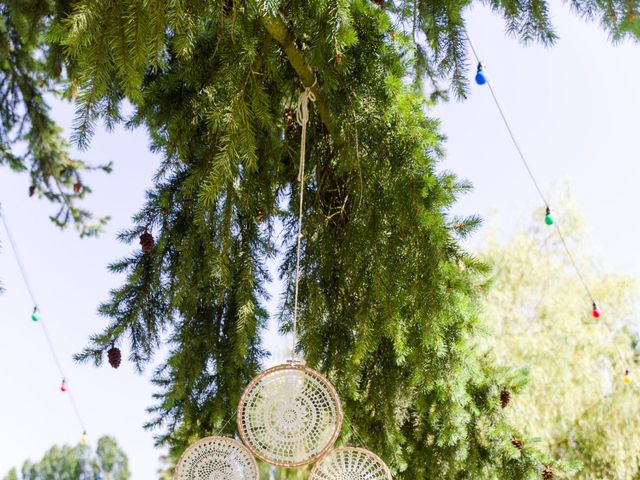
481,78
63,386
596,311
84,439
548,219
627,377
35,316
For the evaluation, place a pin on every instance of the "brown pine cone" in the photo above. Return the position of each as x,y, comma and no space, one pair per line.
114,356
289,120
227,8
76,187
380,3
32,190
505,398
516,442
547,473
147,242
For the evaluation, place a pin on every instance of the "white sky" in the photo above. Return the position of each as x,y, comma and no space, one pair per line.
574,109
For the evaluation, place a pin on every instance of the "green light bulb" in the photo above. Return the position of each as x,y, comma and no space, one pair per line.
35,316
548,219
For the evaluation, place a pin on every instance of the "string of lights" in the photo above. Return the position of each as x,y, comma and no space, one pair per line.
37,316
481,78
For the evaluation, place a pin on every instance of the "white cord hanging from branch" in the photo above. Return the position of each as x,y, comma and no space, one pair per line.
302,117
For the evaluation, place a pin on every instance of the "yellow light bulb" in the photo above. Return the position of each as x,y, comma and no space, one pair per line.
627,377
84,439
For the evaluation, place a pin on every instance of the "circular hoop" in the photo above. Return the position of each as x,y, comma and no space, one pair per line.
289,415
217,458
349,463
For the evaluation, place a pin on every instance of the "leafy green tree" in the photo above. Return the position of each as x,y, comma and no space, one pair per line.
577,402
388,297
107,462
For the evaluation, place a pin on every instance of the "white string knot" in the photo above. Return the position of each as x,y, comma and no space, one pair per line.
302,117
302,110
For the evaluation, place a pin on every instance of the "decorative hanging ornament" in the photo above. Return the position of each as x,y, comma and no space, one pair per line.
217,458
35,315
627,377
548,219
289,415
595,311
350,463
481,78
63,386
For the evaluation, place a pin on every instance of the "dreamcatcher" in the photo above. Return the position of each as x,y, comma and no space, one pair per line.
217,458
349,463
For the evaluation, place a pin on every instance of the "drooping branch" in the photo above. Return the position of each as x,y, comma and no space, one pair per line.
285,38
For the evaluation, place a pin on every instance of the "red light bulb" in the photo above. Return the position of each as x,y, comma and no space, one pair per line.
596,310
63,386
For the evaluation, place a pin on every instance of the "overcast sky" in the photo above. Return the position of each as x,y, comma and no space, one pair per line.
574,109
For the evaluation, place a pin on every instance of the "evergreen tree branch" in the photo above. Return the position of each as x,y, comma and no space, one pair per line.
285,38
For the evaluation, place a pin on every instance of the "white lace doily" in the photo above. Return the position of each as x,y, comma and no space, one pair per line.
217,458
349,463
289,415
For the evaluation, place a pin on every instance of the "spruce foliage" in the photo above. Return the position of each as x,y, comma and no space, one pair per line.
29,140
388,298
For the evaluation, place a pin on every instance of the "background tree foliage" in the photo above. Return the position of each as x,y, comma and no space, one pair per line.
107,462
388,297
577,401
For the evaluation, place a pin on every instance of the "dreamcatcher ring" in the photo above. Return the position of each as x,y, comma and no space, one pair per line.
217,458
289,415
350,463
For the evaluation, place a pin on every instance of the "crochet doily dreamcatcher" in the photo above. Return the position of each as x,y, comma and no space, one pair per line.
289,415
216,458
349,463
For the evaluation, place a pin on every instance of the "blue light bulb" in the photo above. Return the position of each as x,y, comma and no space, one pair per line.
481,78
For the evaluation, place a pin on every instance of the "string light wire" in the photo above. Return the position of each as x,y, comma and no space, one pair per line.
37,308
529,170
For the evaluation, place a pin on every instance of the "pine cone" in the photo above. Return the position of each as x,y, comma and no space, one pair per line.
505,398
114,356
547,473
76,187
147,242
380,3
516,442
289,120
32,190
227,8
